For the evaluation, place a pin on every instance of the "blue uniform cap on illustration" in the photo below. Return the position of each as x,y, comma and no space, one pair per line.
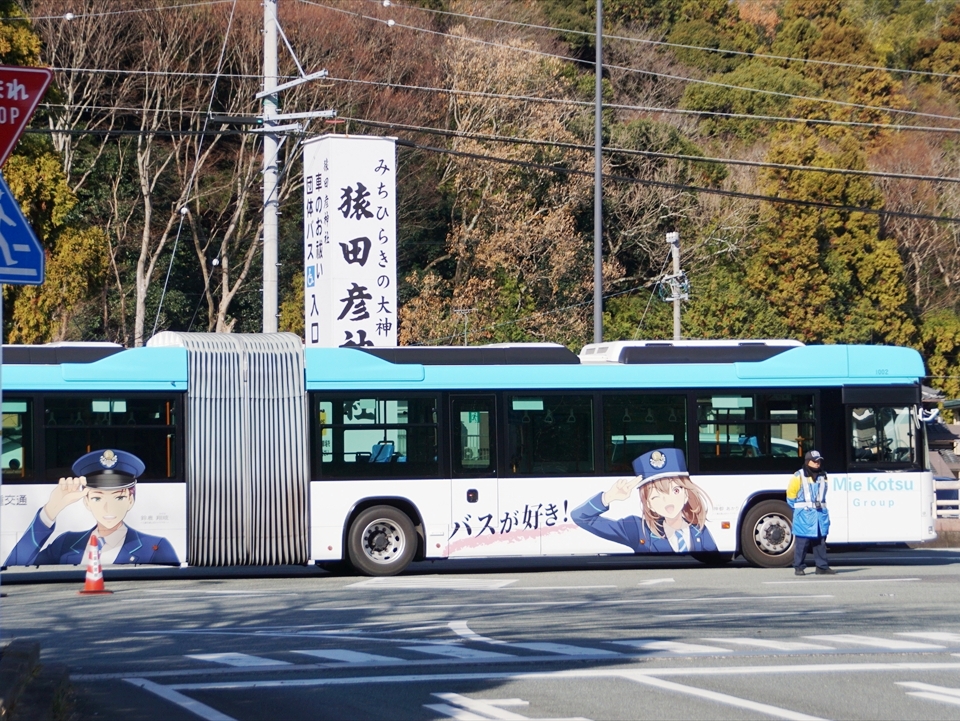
109,469
660,463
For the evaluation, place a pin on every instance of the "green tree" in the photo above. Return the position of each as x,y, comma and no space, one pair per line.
940,345
827,272
752,74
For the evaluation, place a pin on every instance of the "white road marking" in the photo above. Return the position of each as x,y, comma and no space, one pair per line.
564,649
463,630
935,697
953,638
875,642
842,580
722,698
769,669
453,712
617,602
655,581
444,583
342,654
224,592
930,692
468,709
558,588
772,645
175,697
741,614
671,646
454,651
237,659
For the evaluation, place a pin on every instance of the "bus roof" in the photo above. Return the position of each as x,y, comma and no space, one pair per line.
796,365
502,367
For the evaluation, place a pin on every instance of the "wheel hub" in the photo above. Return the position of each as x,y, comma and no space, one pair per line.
773,534
382,541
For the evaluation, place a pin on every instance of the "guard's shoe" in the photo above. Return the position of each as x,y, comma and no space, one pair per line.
826,572
799,572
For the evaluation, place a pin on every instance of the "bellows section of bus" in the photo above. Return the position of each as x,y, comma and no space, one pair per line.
246,460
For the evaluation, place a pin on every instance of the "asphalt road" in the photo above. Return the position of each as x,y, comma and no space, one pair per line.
594,638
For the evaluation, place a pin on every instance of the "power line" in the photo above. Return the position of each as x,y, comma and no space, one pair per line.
69,16
610,150
653,154
524,98
666,76
686,187
681,46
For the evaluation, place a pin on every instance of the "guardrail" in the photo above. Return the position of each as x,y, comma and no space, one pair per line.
948,503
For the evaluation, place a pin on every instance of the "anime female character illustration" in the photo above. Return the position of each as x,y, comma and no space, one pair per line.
674,508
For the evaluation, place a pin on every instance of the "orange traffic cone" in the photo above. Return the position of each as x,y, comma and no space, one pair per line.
94,582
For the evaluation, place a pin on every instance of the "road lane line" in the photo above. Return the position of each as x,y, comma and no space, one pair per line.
558,588
564,649
346,656
442,583
942,690
942,698
463,630
448,711
842,580
240,660
876,642
773,645
465,708
671,646
721,698
656,581
609,602
175,697
786,669
452,651
953,638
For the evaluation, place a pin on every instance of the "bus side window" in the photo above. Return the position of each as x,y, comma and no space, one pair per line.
373,436
754,432
17,461
550,435
636,424
473,436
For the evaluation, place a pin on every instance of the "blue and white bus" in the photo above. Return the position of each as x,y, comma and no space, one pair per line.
259,451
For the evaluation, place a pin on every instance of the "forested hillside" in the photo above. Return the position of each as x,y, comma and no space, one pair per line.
805,150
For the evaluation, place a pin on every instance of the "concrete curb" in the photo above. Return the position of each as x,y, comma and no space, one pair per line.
28,690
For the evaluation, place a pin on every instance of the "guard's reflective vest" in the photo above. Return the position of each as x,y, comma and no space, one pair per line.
808,499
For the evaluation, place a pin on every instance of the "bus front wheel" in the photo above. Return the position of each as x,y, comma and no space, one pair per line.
766,537
382,541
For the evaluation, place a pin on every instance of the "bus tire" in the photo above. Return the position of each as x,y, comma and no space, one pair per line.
382,541
766,536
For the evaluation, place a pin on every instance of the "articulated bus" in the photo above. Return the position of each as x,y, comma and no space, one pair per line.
258,451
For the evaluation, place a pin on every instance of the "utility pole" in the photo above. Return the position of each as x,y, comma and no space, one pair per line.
598,184
677,283
270,151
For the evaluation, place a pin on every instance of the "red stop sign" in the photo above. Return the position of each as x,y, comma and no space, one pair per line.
20,91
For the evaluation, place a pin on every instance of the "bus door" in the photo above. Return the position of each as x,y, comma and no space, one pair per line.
473,455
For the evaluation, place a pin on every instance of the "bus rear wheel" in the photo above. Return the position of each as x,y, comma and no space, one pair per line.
382,541
766,537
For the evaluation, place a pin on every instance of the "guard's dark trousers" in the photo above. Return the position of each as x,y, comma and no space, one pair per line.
802,545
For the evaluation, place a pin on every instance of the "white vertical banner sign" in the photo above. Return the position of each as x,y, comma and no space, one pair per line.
350,241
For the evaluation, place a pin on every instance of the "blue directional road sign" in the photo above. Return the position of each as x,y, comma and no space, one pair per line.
21,255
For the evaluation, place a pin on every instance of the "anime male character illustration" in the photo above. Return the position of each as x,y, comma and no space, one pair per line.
674,508
106,482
